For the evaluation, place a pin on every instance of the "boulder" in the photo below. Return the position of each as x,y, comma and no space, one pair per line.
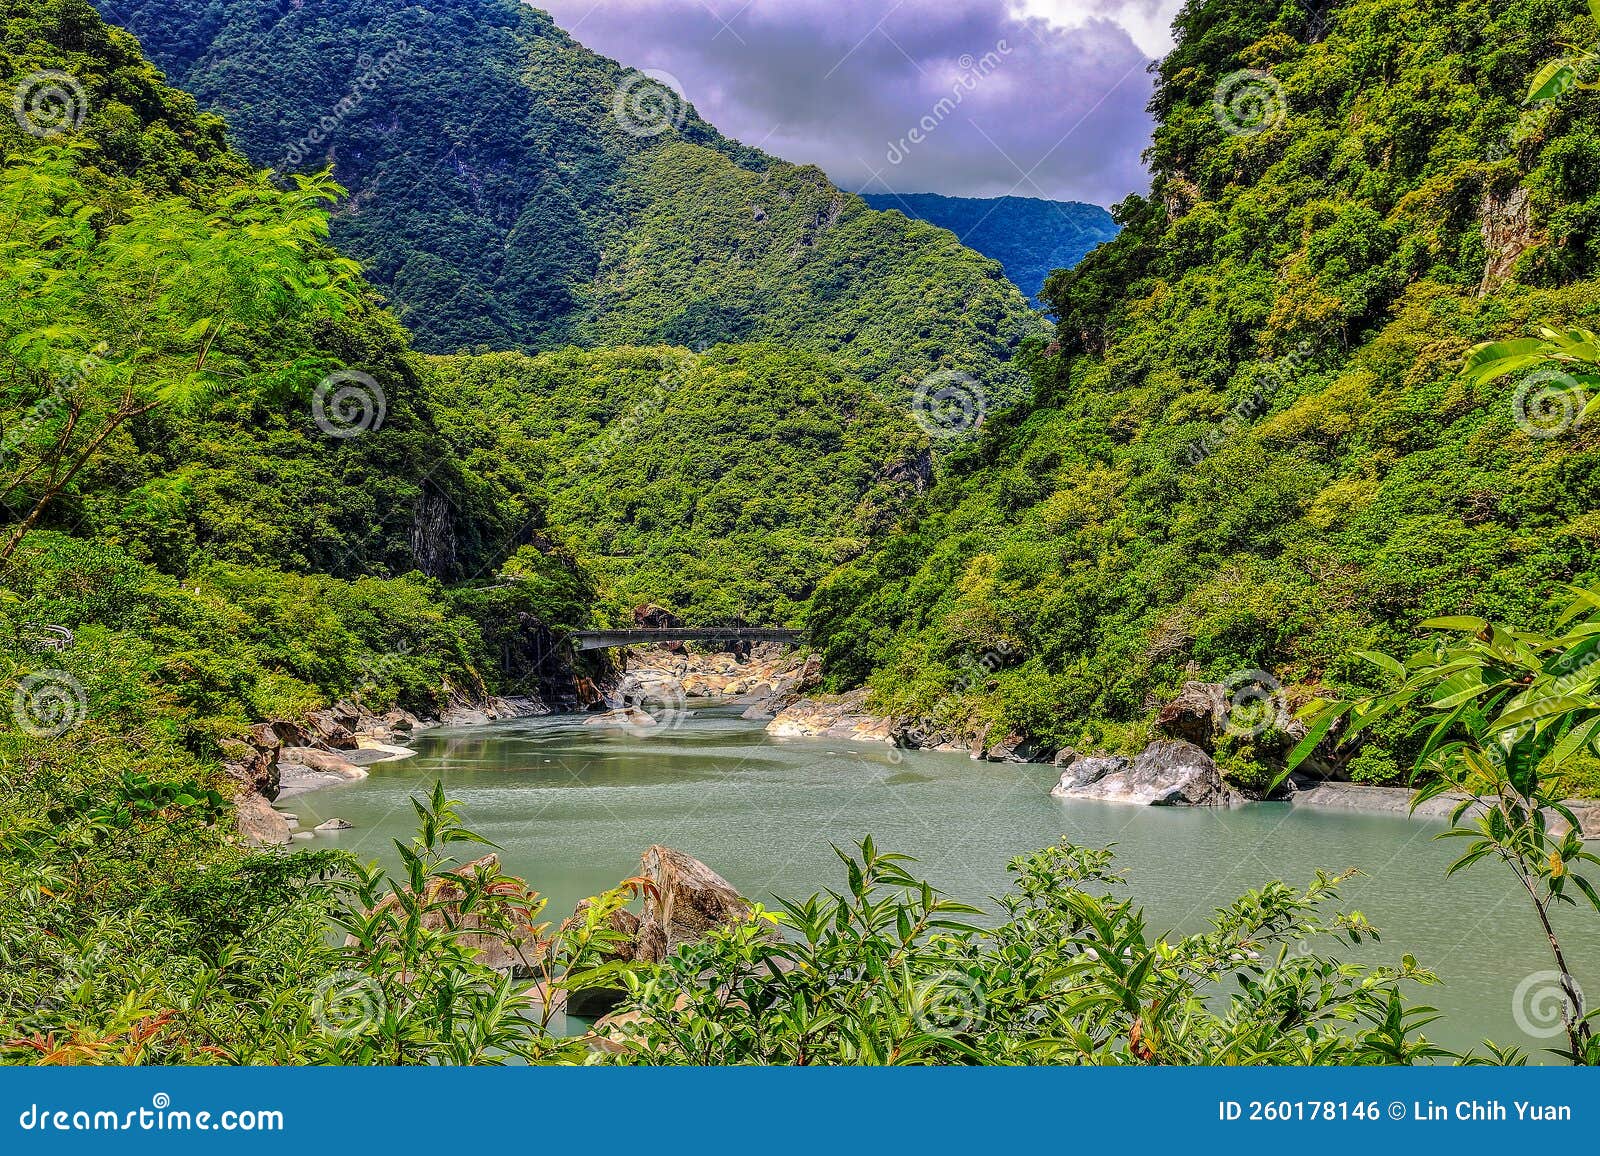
625,717
1196,716
325,727
1170,773
259,825
517,951
1014,748
599,1001
325,762
688,900
302,769
334,825
1082,771
836,717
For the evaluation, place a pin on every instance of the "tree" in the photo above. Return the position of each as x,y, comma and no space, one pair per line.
1505,710
106,315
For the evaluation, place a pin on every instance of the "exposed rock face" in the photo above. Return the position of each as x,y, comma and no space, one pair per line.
253,760
835,717
1508,232
766,677
1197,715
689,901
1167,774
259,825
462,713
1013,748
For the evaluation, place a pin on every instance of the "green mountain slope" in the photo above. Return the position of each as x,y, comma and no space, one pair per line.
723,486
556,198
1251,448
1029,236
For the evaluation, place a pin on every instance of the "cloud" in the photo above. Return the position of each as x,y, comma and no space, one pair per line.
1036,98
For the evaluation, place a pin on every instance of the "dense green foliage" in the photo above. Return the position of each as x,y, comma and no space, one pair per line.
526,215
1030,237
722,486
1250,448
1508,711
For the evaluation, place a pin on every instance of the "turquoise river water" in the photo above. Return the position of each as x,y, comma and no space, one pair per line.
571,807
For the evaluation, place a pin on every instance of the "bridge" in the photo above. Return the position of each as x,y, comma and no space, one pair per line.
601,639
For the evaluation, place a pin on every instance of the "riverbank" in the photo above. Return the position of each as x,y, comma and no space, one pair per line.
1175,769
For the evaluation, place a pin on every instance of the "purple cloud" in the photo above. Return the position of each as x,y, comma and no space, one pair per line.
1033,98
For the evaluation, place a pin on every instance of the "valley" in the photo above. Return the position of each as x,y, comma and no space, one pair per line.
374,372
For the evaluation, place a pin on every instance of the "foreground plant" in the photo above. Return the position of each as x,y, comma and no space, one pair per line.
891,972
1505,712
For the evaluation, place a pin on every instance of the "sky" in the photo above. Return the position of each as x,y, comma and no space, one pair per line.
985,98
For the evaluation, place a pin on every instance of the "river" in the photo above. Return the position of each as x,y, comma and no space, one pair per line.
571,807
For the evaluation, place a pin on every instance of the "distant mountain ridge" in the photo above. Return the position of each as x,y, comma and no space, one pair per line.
513,190
1029,236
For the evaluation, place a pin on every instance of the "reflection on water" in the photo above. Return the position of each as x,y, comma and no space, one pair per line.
571,808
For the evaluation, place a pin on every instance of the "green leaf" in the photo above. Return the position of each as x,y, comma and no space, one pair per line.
1461,623
1551,81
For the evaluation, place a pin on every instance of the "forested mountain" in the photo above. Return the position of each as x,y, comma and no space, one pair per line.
1029,236
1253,449
557,198
723,485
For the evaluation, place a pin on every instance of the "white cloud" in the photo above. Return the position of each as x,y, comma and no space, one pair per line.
1148,22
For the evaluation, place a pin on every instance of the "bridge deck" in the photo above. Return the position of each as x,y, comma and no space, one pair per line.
601,639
